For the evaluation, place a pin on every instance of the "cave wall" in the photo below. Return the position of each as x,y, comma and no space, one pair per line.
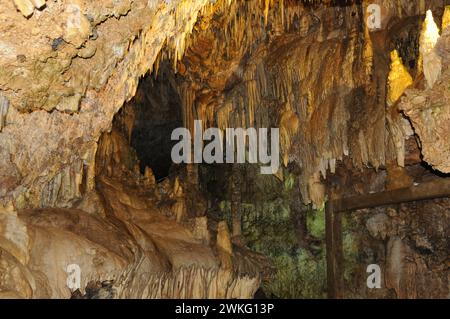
129,237
65,71
74,79
332,88
312,69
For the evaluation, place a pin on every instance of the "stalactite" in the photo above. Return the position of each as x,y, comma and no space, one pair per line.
317,93
89,162
289,125
400,130
223,116
64,188
431,62
398,80
446,18
188,105
267,4
253,97
368,48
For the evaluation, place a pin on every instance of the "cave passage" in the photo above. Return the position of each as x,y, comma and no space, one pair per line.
157,114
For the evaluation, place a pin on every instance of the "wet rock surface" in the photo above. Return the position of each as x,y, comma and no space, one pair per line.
359,111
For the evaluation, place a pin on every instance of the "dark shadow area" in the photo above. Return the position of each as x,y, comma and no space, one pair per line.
158,113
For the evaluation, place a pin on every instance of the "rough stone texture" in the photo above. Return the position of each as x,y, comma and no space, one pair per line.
378,226
408,241
83,60
319,75
126,239
415,260
141,261
429,112
68,68
65,71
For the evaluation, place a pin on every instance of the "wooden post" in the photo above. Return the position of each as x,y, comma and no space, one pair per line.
333,233
236,200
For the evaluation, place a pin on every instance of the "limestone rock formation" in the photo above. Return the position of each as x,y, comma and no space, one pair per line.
120,237
65,71
431,61
429,112
91,90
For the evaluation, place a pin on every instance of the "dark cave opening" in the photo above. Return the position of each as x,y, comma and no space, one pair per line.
157,114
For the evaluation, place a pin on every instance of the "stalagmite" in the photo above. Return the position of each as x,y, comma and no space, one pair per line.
201,231
149,177
178,190
224,244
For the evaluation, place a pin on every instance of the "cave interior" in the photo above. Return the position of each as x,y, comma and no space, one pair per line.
364,158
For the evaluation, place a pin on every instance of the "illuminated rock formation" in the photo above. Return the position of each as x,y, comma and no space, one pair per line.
90,91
